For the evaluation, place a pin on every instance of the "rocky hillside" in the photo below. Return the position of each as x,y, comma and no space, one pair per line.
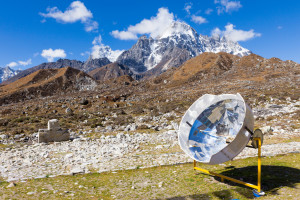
221,68
87,66
178,43
46,82
110,71
92,64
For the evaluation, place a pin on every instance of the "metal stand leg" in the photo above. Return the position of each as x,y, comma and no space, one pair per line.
258,192
257,188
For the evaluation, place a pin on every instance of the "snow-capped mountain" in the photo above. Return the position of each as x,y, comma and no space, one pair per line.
178,43
6,73
103,51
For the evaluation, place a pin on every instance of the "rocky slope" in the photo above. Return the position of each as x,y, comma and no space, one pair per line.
87,66
46,82
175,45
211,68
92,64
110,71
50,65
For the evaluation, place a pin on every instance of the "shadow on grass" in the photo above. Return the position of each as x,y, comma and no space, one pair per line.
273,178
222,194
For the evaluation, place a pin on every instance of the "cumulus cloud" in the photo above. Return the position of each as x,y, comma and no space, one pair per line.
74,13
51,54
12,64
227,6
235,34
198,19
188,7
23,63
153,26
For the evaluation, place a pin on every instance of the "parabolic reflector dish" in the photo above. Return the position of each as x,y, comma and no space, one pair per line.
213,130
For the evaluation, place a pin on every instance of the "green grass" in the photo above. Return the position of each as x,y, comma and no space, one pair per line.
280,180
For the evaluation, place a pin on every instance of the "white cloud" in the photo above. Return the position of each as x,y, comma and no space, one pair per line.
279,27
216,32
97,40
234,34
51,54
91,26
198,19
12,64
74,13
227,6
208,11
188,7
124,35
25,63
153,26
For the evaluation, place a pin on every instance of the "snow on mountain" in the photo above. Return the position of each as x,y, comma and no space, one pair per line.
6,73
176,44
102,51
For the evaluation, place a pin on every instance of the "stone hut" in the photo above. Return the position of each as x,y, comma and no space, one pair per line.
54,133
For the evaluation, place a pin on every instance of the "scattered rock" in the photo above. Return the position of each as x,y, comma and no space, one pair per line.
3,136
160,184
11,185
30,193
77,170
69,111
84,102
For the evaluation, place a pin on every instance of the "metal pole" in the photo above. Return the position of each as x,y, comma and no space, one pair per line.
259,166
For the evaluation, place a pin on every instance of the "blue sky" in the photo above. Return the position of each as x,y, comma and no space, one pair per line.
36,31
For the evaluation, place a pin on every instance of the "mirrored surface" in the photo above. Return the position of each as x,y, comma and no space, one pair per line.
217,124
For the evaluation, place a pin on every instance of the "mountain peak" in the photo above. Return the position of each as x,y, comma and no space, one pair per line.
7,72
178,28
102,51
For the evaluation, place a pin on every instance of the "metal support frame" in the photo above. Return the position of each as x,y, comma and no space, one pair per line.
257,187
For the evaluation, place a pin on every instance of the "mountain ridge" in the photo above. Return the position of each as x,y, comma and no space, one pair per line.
46,82
178,40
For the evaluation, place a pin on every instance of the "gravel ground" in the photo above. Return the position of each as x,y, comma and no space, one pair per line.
108,153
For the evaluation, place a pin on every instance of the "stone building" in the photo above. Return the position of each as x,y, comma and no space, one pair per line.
54,133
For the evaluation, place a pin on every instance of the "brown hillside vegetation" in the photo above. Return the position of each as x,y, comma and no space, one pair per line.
216,68
204,63
46,82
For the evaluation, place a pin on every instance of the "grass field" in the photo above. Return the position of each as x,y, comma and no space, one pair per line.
280,180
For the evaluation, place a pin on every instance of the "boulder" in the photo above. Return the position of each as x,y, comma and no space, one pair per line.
69,111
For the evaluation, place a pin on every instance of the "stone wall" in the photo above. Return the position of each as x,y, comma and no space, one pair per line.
53,134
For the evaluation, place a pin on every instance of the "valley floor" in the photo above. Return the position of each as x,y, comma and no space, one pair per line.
110,153
280,180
